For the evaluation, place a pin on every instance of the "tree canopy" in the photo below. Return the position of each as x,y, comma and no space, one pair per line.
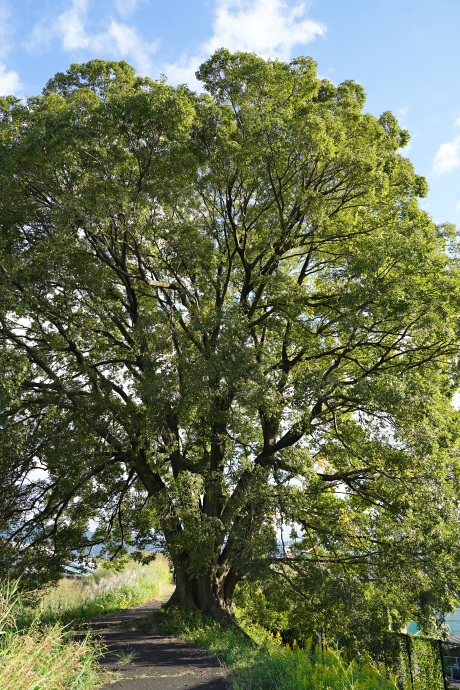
220,311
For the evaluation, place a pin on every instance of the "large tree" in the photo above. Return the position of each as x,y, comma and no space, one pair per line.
217,310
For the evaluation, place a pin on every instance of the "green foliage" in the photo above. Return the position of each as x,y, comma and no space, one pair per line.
105,591
295,669
34,656
349,601
268,665
415,660
348,612
219,310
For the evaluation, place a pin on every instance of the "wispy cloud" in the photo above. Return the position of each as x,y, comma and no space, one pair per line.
447,157
127,7
118,40
10,83
270,28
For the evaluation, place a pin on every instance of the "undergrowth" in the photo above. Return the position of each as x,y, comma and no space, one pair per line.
106,590
259,661
34,656
38,651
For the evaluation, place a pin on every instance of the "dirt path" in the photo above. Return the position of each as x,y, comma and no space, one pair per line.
151,661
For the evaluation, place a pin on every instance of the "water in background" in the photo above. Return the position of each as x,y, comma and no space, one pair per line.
453,621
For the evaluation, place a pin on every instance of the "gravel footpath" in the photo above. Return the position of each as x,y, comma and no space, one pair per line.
151,661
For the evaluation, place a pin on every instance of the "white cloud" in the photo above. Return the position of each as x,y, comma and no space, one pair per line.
183,71
270,28
127,7
10,83
70,27
447,157
126,40
118,40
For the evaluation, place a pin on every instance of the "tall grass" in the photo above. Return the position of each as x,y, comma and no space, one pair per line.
106,590
37,657
228,643
37,648
284,668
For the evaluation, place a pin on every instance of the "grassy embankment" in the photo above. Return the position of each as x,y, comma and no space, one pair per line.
41,656
37,650
106,590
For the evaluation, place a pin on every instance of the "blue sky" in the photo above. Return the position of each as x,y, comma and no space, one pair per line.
406,54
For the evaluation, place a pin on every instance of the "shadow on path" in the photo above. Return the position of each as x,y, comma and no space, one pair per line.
150,661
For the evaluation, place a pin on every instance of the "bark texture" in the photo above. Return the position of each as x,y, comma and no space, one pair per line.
208,593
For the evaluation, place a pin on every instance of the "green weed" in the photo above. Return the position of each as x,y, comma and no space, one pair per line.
106,590
37,649
37,657
127,657
259,661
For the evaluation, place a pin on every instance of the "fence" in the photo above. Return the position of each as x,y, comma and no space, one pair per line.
418,662
452,668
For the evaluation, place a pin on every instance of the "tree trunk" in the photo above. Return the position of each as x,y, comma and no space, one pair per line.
208,593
